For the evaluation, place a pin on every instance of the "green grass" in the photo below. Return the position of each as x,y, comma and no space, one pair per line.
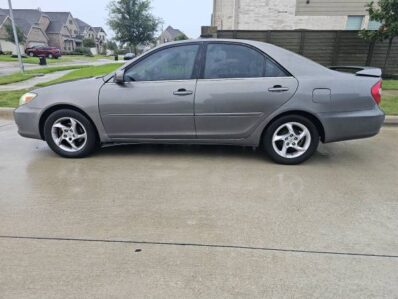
10,99
88,72
390,105
63,59
18,77
390,84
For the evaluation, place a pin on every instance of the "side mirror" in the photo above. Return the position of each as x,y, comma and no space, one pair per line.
119,77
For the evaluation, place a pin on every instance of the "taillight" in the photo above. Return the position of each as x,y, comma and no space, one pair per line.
376,92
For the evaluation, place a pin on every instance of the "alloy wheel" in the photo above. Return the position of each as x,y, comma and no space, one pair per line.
291,140
69,134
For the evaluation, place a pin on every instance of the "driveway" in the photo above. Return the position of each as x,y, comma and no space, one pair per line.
198,222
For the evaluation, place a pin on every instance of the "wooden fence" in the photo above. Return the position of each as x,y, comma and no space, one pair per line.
329,48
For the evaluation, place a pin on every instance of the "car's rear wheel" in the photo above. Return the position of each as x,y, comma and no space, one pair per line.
70,134
50,56
291,140
31,54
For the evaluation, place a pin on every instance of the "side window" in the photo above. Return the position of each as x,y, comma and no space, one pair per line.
233,61
176,63
272,69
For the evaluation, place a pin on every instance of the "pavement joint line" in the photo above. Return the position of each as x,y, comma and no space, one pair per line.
237,247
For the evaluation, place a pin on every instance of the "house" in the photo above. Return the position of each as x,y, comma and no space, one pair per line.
169,35
55,29
100,38
63,31
291,15
32,23
85,31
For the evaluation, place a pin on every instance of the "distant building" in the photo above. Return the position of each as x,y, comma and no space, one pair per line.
291,15
54,29
169,35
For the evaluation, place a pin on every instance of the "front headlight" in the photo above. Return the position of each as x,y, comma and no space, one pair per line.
26,98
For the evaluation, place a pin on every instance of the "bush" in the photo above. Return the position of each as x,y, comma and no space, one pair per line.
81,51
88,43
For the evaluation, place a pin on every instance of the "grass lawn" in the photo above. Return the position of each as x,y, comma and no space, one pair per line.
63,59
390,105
88,72
17,77
390,84
10,99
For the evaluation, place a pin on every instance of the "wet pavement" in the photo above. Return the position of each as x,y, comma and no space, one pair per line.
198,221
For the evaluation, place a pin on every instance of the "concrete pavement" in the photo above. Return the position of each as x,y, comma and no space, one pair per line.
34,81
198,222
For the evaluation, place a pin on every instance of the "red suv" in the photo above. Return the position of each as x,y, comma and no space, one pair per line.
50,52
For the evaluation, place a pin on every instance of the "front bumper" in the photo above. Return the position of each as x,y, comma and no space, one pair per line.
342,126
27,120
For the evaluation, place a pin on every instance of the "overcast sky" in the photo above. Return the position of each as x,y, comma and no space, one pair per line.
186,15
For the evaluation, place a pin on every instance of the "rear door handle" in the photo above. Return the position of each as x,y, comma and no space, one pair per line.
278,88
183,92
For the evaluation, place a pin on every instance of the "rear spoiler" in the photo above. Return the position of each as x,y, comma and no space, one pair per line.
365,71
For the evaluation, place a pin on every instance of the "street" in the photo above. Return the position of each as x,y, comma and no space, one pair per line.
198,221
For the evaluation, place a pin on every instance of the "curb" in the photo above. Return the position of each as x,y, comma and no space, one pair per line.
391,121
9,113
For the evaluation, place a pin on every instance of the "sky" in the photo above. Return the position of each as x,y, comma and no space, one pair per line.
186,15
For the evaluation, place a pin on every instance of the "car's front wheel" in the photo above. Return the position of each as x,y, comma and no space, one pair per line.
31,54
70,134
50,56
291,140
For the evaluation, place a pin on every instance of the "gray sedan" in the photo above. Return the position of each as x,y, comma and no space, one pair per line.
211,91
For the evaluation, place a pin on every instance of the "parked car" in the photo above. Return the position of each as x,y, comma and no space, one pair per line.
129,56
230,92
49,52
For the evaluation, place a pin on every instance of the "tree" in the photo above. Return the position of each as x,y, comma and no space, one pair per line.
10,34
88,43
385,12
132,22
181,37
112,45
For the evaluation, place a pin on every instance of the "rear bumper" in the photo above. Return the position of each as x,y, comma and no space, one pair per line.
27,120
352,125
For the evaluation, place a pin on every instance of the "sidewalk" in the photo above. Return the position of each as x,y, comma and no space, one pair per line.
34,81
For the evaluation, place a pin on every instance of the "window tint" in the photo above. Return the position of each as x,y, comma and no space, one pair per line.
233,61
175,63
236,61
274,70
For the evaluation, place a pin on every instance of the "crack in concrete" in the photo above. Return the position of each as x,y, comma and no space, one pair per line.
182,244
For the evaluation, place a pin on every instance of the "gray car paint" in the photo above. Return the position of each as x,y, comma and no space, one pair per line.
349,113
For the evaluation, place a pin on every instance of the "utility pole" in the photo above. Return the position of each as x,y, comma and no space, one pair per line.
14,29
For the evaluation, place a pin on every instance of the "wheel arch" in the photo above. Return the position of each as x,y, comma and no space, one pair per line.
54,108
315,120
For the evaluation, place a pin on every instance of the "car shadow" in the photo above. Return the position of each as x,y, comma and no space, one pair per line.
173,150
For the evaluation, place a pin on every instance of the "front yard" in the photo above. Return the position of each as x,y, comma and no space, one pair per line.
11,98
63,59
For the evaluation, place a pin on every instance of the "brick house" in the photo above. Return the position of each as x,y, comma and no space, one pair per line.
54,29
291,15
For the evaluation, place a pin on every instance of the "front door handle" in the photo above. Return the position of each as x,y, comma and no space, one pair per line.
183,92
278,88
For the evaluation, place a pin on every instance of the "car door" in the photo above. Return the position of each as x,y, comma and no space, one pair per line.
156,100
238,88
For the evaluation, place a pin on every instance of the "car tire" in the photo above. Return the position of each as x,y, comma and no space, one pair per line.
31,54
70,134
291,140
50,56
